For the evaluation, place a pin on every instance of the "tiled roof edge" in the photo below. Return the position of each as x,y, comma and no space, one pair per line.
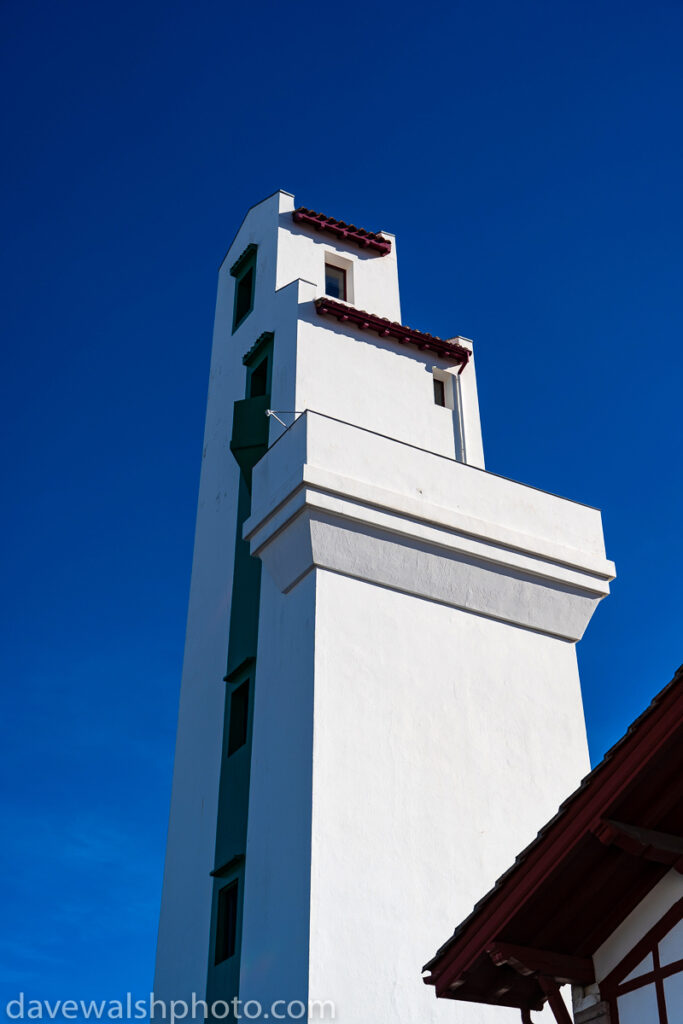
263,339
390,329
347,232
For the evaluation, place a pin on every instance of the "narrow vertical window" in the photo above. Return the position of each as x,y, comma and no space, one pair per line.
335,282
239,717
243,297
244,272
258,381
226,922
439,391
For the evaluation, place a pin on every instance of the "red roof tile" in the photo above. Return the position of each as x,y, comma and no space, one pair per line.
390,329
347,232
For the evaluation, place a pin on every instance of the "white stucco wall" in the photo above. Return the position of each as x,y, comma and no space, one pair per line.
182,946
427,719
275,929
363,379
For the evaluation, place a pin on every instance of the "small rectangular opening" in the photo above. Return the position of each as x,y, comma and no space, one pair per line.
258,382
226,922
335,282
244,294
239,717
439,391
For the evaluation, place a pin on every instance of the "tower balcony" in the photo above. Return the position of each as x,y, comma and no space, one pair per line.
334,496
249,440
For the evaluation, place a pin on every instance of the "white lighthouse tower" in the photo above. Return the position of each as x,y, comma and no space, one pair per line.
380,662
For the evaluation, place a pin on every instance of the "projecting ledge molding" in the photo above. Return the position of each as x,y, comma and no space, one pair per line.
313,526
344,313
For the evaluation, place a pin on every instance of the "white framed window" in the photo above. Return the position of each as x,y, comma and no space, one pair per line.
335,282
445,388
446,391
338,277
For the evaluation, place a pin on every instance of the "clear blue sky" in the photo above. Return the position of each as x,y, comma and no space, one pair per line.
529,157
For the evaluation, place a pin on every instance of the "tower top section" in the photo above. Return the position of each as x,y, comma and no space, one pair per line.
366,259
327,291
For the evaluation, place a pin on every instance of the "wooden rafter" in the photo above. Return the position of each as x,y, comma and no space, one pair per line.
659,847
577,970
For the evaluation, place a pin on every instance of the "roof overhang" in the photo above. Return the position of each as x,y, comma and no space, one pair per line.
610,843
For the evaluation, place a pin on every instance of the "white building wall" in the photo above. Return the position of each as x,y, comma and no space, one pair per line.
360,378
427,719
182,946
275,929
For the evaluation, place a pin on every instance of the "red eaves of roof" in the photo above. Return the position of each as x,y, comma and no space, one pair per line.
657,730
346,232
389,329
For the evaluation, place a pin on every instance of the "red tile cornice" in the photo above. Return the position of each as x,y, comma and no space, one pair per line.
389,329
346,232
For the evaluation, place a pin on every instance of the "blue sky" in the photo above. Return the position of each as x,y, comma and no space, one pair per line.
529,158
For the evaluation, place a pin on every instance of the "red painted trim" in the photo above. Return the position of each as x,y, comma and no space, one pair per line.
389,329
651,977
656,978
644,946
347,232
576,970
587,807
659,988
641,842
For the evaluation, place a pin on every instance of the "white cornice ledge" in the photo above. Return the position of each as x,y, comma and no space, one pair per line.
308,515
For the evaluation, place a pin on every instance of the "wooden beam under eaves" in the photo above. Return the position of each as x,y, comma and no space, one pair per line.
576,970
659,847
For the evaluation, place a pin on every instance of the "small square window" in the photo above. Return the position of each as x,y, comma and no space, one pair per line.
439,391
239,717
226,922
335,282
